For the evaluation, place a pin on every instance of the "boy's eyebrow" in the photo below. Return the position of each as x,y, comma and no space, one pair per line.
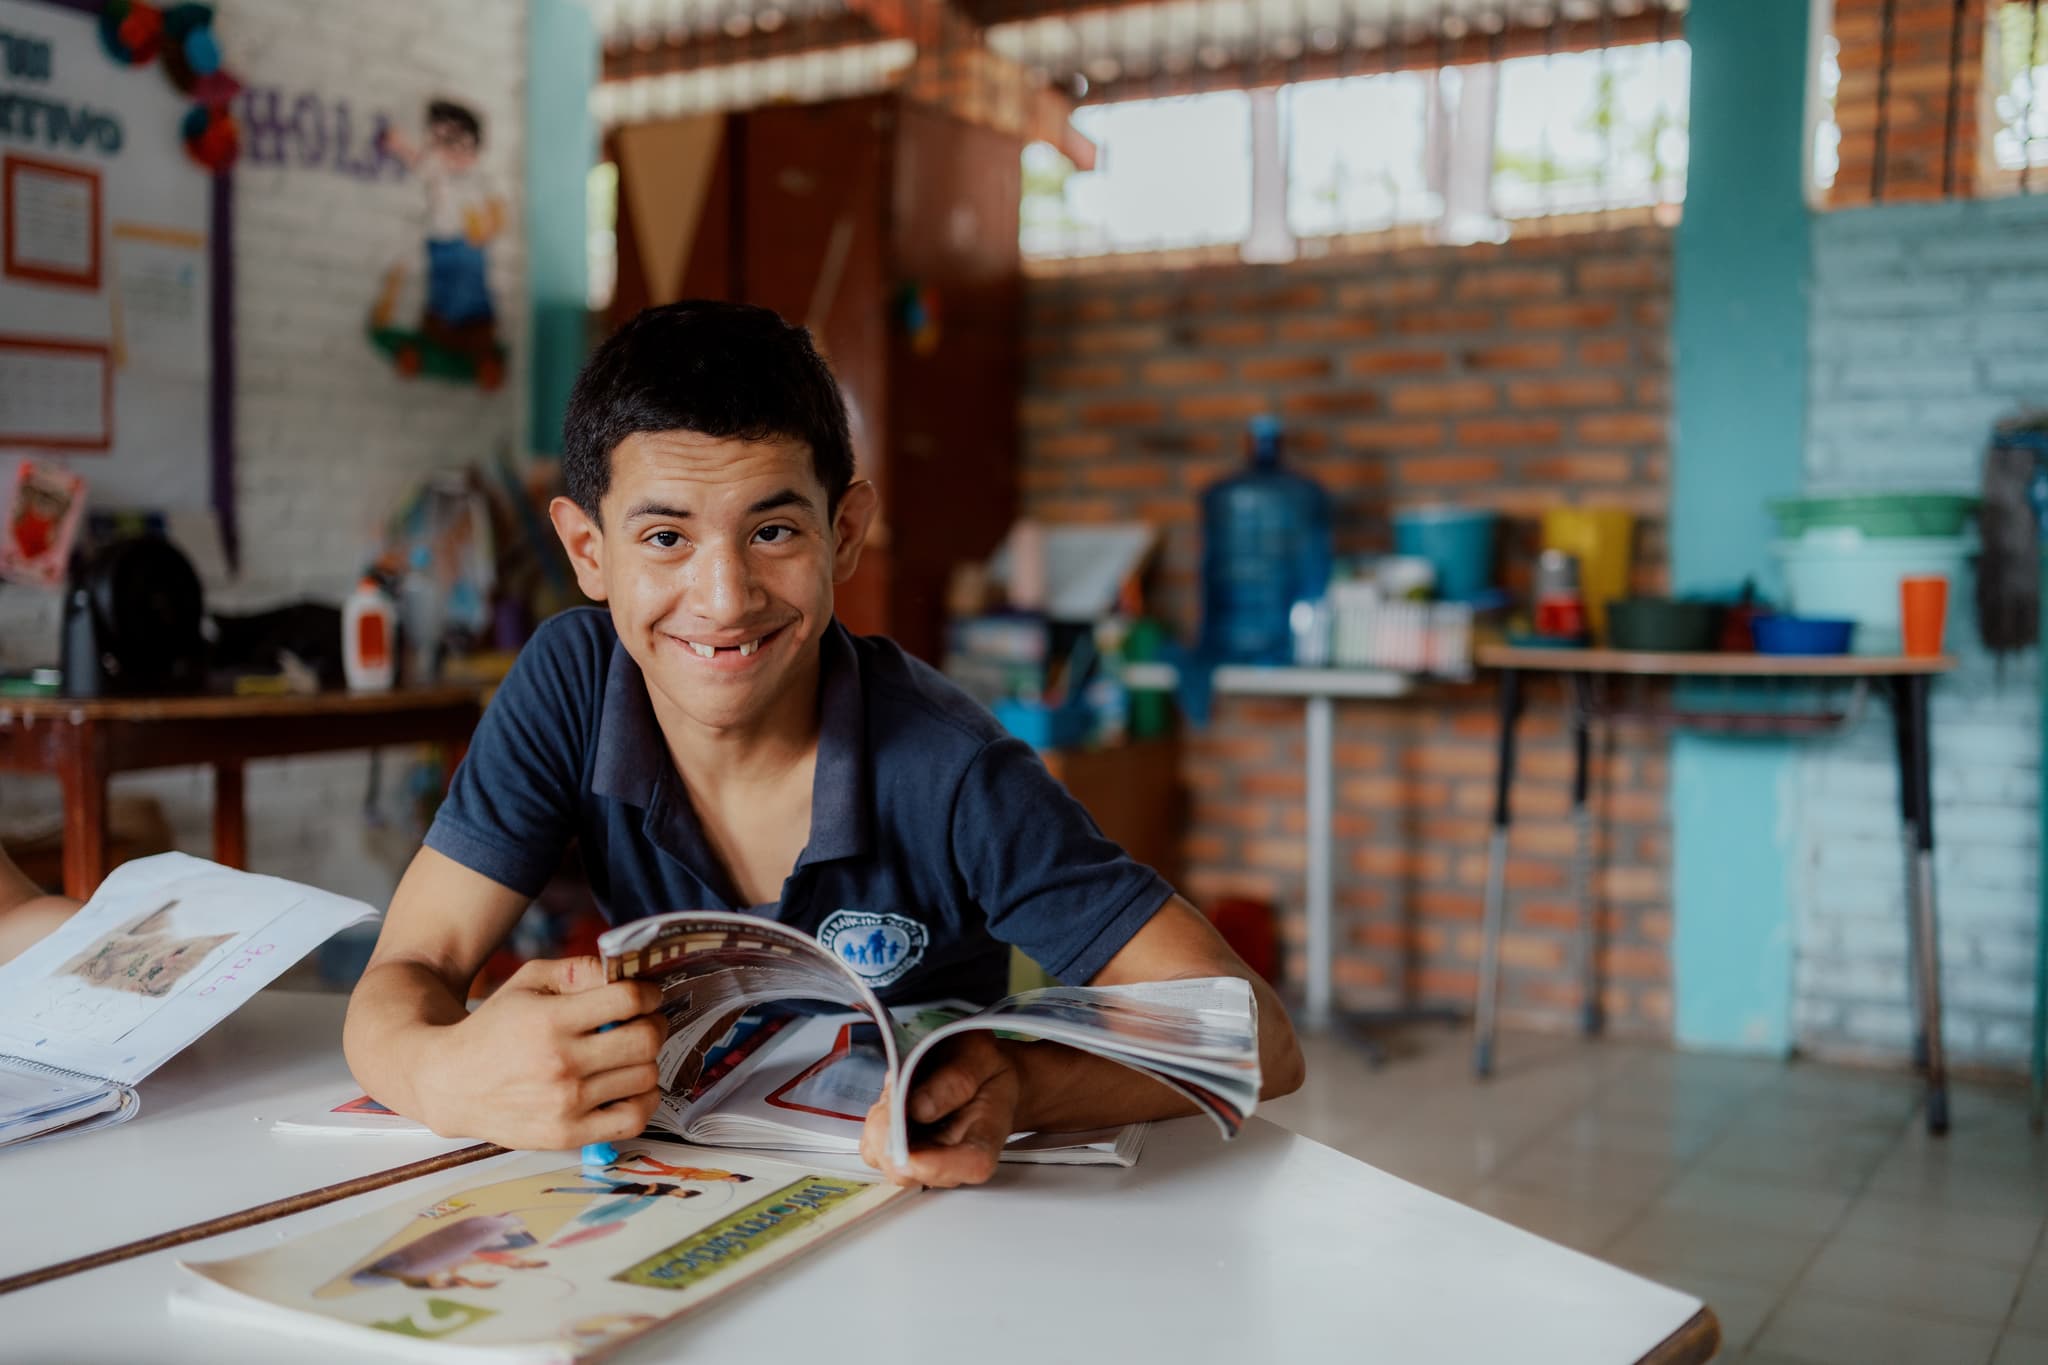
649,508
788,497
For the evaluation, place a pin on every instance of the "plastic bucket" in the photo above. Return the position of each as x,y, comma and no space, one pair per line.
1457,540
1846,574
1888,515
1602,538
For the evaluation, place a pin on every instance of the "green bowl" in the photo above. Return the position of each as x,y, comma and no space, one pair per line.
1661,625
1881,515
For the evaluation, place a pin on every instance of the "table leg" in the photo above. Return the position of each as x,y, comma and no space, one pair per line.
1582,859
82,770
1909,824
230,822
1496,876
1912,693
1317,759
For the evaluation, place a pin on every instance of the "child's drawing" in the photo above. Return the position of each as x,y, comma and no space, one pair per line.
145,958
119,981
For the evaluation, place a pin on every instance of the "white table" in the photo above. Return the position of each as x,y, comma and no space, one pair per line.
1321,689
201,1144
1271,1248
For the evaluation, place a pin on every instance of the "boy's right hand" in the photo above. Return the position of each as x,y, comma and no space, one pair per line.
529,1069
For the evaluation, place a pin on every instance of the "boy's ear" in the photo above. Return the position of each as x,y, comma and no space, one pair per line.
850,527
583,539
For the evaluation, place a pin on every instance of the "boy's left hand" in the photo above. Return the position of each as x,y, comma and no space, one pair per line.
966,1097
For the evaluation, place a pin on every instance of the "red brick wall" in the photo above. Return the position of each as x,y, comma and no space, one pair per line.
1511,377
1916,105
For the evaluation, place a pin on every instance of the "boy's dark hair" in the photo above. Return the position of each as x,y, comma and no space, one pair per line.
726,370
460,115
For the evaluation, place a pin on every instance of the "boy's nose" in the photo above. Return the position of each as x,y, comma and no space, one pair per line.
722,590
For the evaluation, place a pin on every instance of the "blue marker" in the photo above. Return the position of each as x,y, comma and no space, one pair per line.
598,1155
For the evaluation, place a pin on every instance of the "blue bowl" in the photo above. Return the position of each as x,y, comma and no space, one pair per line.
1802,635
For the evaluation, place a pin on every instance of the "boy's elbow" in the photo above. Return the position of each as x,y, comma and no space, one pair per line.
1287,1071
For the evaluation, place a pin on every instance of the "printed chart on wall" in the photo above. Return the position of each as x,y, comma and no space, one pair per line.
105,288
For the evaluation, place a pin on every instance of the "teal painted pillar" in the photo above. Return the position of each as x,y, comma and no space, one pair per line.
561,147
1739,353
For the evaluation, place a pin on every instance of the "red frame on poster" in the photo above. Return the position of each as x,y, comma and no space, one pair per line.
10,263
105,353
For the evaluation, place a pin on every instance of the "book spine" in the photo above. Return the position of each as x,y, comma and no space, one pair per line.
45,1069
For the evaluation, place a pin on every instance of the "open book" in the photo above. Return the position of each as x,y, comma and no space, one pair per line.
741,1069
168,947
536,1258
777,1080
1200,1037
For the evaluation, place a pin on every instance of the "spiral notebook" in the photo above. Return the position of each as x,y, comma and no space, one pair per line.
168,947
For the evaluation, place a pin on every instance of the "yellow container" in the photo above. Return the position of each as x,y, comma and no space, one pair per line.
1603,538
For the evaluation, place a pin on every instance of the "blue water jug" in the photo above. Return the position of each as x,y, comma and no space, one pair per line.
1266,544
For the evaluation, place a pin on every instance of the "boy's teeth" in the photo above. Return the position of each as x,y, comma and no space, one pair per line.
703,651
749,647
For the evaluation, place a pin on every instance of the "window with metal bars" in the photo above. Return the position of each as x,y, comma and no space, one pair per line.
1931,99
2016,78
1462,152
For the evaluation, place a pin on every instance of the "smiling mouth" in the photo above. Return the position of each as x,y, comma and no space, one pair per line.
743,649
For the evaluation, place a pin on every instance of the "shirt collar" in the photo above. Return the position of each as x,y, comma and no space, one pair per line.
633,764
630,753
839,786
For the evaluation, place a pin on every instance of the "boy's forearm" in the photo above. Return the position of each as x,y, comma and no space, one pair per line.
396,1012
1064,1090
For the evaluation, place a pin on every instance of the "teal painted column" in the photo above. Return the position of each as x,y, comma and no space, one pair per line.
561,147
1739,326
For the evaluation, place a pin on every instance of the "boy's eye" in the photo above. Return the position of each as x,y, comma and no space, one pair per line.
774,535
667,540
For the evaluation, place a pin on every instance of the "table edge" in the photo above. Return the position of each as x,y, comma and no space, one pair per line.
213,706
1708,663
1693,1343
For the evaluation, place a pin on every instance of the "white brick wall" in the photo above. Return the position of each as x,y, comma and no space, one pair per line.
1927,328
329,438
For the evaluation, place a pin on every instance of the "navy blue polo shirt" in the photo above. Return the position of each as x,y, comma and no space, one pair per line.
936,838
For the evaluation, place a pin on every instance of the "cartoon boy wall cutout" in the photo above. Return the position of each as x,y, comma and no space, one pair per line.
464,215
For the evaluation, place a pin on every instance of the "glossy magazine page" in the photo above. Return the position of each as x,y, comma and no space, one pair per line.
534,1257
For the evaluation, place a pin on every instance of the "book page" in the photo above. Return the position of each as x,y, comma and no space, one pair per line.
713,966
166,948
537,1252
812,1088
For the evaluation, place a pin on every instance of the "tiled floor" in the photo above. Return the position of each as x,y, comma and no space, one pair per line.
1805,1203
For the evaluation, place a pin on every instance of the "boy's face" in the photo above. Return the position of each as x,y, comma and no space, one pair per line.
454,142
717,559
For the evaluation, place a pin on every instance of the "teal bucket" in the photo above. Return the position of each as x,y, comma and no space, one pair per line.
1458,541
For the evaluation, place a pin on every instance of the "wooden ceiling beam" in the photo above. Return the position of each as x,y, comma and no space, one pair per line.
823,33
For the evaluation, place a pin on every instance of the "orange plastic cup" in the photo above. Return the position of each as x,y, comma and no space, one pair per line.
1923,609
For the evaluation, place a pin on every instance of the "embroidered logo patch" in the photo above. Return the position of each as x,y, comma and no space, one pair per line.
881,949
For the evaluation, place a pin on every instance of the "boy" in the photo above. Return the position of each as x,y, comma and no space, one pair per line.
713,738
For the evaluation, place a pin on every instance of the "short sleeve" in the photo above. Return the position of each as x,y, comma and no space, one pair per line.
512,807
1035,862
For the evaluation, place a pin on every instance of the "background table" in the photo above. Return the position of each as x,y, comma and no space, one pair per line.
83,742
1270,1248
1320,690
1908,682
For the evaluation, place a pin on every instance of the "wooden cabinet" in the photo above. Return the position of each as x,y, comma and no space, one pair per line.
1133,791
830,214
